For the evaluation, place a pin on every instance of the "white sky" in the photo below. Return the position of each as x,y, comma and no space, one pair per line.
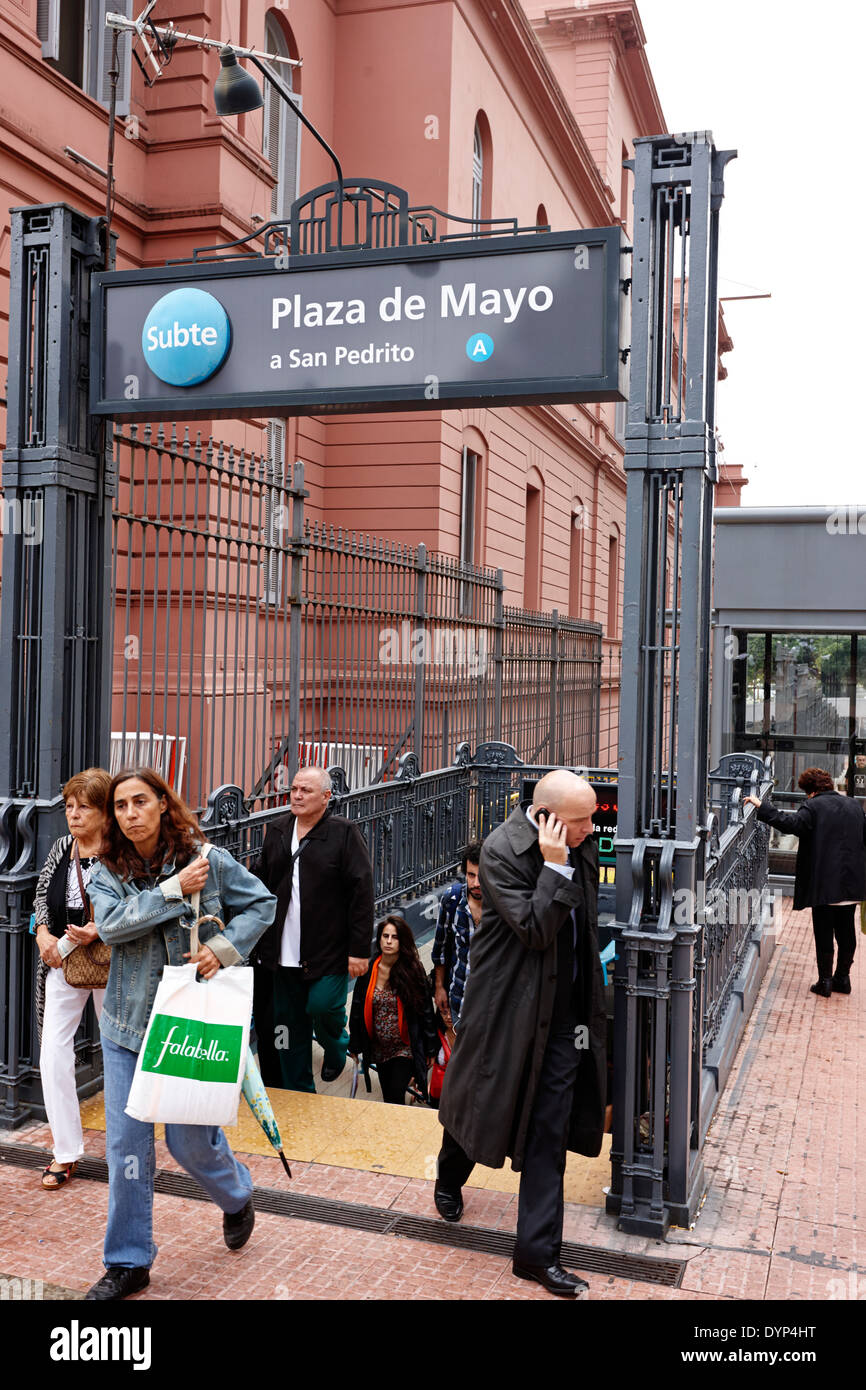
784,84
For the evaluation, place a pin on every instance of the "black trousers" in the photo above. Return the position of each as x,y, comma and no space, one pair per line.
394,1077
540,1202
829,923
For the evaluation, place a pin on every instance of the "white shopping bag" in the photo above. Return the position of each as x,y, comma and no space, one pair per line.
191,1065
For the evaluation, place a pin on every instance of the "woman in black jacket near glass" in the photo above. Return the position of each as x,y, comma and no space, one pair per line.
391,1020
830,874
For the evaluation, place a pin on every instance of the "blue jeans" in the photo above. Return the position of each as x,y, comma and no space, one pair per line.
129,1147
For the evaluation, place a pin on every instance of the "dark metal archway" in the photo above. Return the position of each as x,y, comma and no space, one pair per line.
678,975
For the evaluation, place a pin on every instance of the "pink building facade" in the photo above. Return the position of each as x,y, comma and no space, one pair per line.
481,108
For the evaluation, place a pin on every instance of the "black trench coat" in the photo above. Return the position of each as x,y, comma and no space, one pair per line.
493,1073
831,859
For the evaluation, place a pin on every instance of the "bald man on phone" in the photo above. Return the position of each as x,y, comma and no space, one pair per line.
527,1077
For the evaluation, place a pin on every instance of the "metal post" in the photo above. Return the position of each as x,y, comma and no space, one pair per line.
663,814
296,612
55,618
498,658
554,748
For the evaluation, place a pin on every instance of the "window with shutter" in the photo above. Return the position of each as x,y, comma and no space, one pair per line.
271,566
282,129
99,80
477,177
48,28
76,42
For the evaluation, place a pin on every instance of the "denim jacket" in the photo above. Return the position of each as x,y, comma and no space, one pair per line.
149,928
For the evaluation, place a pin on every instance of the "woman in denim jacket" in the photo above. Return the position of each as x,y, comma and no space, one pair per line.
150,867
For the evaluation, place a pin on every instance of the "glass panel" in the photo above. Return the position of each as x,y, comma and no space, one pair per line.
810,696
798,686
755,672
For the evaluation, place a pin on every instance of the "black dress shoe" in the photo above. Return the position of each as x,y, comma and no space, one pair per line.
238,1226
118,1281
553,1278
448,1204
331,1073
824,987
842,984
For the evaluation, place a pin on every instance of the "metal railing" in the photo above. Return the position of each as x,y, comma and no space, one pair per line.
416,826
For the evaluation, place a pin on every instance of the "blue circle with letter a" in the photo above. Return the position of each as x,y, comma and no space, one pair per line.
185,337
479,348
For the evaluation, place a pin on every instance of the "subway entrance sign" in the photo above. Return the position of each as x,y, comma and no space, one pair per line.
510,320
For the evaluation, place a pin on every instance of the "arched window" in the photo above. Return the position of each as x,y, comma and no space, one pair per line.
477,176
281,138
541,217
532,540
482,161
472,504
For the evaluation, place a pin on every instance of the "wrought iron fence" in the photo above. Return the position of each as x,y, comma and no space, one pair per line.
415,826
249,638
684,1062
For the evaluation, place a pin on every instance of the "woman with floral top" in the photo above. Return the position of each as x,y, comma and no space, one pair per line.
391,1022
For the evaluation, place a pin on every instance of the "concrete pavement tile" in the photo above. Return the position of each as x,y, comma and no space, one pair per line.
727,1273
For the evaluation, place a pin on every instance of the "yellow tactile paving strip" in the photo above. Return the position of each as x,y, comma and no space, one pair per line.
403,1141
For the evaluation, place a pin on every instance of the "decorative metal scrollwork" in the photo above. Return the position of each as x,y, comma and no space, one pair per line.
496,755
339,781
408,768
356,215
463,755
224,805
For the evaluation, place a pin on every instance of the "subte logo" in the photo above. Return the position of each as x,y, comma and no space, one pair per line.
186,337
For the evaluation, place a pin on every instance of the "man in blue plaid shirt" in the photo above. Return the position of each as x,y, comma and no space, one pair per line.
459,915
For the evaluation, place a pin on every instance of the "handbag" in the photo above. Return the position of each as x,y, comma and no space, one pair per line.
191,1065
86,967
437,1075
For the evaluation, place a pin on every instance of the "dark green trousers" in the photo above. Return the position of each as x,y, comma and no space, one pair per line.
304,1009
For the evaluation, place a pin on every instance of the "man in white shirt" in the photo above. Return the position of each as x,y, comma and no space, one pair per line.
319,867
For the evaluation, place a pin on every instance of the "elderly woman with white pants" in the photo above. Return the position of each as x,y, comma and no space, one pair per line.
62,924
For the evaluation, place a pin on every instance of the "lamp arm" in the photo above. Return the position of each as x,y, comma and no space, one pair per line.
287,97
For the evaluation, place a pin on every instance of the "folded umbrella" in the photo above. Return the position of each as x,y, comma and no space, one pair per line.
256,1097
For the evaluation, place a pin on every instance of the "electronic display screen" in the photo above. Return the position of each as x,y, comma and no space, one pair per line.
604,821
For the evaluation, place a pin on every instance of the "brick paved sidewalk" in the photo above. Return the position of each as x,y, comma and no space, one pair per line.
783,1159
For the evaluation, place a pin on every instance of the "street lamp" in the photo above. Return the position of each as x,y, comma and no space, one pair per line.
235,91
